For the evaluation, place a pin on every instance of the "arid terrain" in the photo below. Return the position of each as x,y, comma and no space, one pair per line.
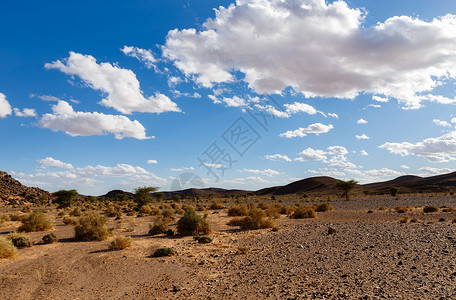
369,255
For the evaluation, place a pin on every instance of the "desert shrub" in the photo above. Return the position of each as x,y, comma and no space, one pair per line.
145,210
76,212
7,249
324,207
272,212
263,206
286,210
91,227
383,208
394,190
160,225
193,224
37,221
120,243
303,212
50,238
414,220
164,251
27,209
70,221
430,209
243,250
186,207
167,213
238,210
404,220
449,209
21,241
18,216
65,198
401,209
216,205
176,206
61,214
143,195
113,211
256,219
170,232
176,198
203,239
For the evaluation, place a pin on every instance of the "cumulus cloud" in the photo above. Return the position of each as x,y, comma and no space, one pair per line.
384,172
5,107
143,55
316,128
151,161
182,169
430,171
64,118
364,153
319,49
51,162
265,172
441,123
334,115
277,157
120,85
380,99
337,150
361,121
362,137
248,180
439,149
405,167
288,109
311,154
26,112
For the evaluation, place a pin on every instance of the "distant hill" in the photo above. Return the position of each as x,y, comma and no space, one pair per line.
13,192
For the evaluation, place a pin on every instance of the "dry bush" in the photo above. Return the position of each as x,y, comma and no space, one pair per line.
256,219
303,212
238,210
21,241
164,251
430,209
193,224
37,221
120,243
402,209
27,209
92,227
323,207
203,239
160,225
243,250
176,206
76,212
263,206
149,210
70,221
216,205
383,208
7,249
404,220
18,216
449,209
168,213
61,214
113,210
50,238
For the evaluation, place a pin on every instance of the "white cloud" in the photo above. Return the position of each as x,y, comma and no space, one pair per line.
453,120
26,112
268,41
51,162
334,115
439,149
5,107
45,97
247,180
300,107
310,154
364,153
120,85
277,157
361,121
362,137
265,172
182,169
143,55
380,99
64,118
216,166
384,172
441,123
177,94
405,167
234,101
430,171
374,105
337,150
316,128
151,161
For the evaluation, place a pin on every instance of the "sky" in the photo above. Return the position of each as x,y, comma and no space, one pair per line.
103,95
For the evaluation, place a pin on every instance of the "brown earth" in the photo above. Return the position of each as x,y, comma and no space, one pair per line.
370,256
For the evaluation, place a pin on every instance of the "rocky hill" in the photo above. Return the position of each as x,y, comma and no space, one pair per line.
13,192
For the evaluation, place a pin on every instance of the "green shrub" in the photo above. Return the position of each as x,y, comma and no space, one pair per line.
256,219
21,242
238,210
7,249
303,212
324,207
164,251
193,224
120,243
65,198
394,190
160,225
430,209
92,227
37,221
50,238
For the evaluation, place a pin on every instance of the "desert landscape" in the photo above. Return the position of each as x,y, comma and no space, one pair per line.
299,246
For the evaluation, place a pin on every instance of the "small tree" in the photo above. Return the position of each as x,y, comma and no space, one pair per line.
143,195
159,196
346,186
394,190
65,198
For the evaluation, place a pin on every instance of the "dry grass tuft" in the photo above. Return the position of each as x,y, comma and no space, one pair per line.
37,221
7,249
121,243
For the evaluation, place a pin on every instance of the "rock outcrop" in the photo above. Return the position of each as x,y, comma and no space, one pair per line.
14,193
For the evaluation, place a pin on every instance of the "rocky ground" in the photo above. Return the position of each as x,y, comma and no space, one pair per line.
368,256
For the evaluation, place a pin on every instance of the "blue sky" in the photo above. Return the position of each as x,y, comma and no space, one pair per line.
101,95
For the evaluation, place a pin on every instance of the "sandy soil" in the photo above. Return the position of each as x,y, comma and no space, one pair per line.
370,256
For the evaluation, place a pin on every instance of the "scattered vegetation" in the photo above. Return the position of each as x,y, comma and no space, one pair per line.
243,250
21,241
256,219
404,220
120,243
238,210
164,251
37,221
65,198
7,249
160,225
324,207
193,224
50,238
430,209
143,195
303,212
346,187
92,227
70,221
